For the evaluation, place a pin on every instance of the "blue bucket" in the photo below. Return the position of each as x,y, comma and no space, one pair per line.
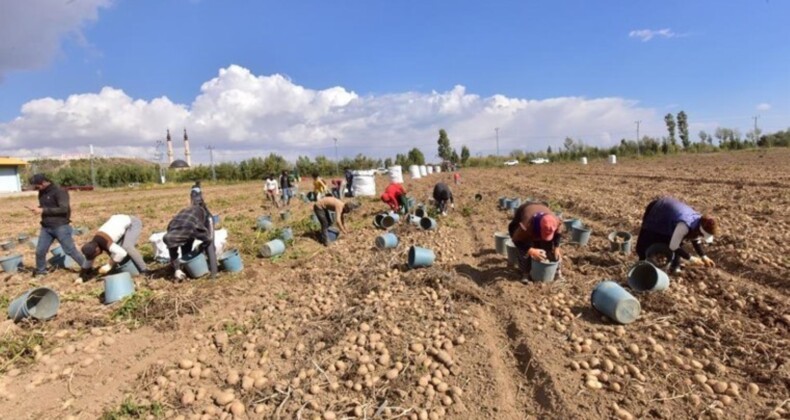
500,238
196,266
39,303
543,271
117,286
63,261
332,234
502,202
287,234
264,223
420,257
7,245
570,223
11,263
427,223
22,238
387,240
478,197
33,242
272,248
215,219
231,261
615,302
420,212
57,251
414,220
128,267
512,253
285,215
389,220
581,235
506,204
312,196
644,277
514,203
379,219
620,242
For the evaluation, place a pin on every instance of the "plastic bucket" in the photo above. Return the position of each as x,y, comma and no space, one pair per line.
502,202
231,261
478,197
543,271
272,248
312,196
332,234
129,267
196,266
387,240
11,263
512,253
506,204
414,220
22,238
620,242
215,218
379,219
427,223
659,251
420,257
580,235
63,261
265,224
58,250
615,302
117,287
287,234
389,220
39,303
33,242
500,238
420,212
644,277
570,223
7,245
285,215
514,203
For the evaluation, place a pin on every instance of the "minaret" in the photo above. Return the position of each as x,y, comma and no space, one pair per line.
169,148
186,149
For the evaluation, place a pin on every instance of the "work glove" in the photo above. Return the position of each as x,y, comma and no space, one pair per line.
180,275
452,206
105,269
708,262
537,254
696,261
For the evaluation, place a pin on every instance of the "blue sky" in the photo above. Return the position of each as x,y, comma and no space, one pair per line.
721,62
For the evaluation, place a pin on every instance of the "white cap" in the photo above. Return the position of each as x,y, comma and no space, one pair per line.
708,237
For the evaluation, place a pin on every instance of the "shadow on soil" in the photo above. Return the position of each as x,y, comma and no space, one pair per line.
486,276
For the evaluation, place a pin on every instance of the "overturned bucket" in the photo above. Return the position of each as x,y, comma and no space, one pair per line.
570,223
129,267
427,223
8,245
420,257
332,234
287,234
502,202
389,220
118,286
63,261
644,277
196,266
39,303
500,238
581,235
272,248
58,250
11,263
478,197
512,253
264,223
22,238
387,240
514,203
231,261
378,220
615,302
620,242
543,271
421,212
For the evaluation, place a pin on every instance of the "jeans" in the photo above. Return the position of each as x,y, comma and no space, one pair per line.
288,194
324,219
63,235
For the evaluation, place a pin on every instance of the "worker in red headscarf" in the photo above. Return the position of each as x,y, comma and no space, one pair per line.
535,230
395,197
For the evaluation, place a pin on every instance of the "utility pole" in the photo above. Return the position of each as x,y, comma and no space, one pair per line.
211,155
637,137
755,128
93,170
497,141
337,162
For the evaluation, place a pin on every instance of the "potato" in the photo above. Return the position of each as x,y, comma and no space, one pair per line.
753,388
237,408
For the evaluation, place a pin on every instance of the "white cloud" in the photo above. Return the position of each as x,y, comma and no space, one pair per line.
31,30
244,115
648,34
764,107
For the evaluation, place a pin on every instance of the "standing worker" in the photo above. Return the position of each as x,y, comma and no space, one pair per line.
349,181
670,221
117,237
319,186
395,197
191,224
287,182
322,208
55,212
535,230
272,190
441,196
457,178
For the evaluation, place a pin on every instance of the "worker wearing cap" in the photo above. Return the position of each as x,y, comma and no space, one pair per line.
117,237
535,230
670,221
395,197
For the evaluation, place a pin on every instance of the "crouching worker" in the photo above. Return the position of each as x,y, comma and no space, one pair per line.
670,221
117,237
395,197
322,208
535,230
442,195
191,224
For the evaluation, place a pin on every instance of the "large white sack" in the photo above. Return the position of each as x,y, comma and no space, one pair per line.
414,171
437,169
423,170
429,168
160,249
364,184
396,174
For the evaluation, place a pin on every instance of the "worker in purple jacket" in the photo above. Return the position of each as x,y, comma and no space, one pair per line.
670,221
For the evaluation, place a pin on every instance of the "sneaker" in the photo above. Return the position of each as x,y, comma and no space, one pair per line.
180,275
524,280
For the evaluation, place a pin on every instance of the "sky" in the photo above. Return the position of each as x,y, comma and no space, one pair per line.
252,77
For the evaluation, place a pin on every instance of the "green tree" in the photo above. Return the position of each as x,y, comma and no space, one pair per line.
670,121
455,158
704,138
416,157
387,162
548,150
683,129
445,151
465,155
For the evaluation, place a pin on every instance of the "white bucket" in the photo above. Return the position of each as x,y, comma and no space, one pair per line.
612,159
396,174
364,184
414,171
584,161
429,168
423,170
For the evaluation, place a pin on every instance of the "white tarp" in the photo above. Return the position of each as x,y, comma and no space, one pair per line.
414,171
396,174
160,249
364,184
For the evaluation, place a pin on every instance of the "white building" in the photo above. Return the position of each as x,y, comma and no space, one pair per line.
9,174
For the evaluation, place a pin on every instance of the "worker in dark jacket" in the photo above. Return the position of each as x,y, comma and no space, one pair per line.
349,181
535,230
442,195
287,182
55,213
670,221
191,224
196,194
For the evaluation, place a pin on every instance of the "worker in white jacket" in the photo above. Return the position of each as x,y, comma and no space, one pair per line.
117,237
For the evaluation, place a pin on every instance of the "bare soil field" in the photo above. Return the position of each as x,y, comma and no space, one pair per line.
349,331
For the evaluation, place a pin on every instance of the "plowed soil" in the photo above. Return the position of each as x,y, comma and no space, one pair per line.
350,331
